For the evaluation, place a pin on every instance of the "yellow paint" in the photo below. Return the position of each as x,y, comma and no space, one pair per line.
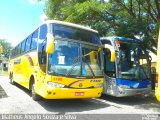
157,89
23,71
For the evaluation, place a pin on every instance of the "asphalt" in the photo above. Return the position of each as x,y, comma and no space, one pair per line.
2,93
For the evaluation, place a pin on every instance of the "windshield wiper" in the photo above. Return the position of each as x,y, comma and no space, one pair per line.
77,60
138,64
89,67
74,64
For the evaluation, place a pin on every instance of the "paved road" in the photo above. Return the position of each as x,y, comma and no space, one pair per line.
16,99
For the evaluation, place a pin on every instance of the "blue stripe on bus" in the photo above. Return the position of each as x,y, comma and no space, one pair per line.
133,84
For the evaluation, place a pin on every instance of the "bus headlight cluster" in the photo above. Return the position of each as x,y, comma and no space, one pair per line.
54,85
98,86
124,86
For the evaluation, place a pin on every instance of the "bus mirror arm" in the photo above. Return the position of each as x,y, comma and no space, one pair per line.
50,43
112,50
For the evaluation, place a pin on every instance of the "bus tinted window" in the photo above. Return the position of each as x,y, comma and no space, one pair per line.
62,31
28,44
41,47
43,32
109,67
34,40
23,46
19,49
15,51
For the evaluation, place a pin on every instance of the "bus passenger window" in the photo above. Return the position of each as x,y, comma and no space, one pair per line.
23,46
34,40
19,49
15,51
41,48
28,43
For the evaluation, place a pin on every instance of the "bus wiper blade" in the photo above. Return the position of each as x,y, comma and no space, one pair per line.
90,69
74,64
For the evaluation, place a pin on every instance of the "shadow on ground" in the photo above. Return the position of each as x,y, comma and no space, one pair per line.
72,105
145,102
2,93
68,105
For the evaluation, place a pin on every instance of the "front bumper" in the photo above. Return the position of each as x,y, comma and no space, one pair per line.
68,93
120,92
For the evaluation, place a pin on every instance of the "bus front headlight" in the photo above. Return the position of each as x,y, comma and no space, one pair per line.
55,85
98,86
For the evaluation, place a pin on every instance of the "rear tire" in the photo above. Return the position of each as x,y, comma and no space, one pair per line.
35,96
11,79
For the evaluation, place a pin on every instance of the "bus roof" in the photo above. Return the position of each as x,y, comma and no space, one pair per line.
62,23
70,24
113,38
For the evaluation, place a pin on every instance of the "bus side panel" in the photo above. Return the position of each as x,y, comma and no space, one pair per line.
23,67
16,69
29,66
157,88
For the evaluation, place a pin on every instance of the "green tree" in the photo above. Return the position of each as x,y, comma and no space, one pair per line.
6,48
127,18
138,18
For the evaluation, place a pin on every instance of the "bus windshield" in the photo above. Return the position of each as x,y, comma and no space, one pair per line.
133,63
68,60
63,31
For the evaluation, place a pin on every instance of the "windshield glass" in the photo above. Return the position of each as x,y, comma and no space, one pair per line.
134,62
63,31
90,62
67,60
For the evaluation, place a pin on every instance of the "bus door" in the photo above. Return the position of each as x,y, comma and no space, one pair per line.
42,56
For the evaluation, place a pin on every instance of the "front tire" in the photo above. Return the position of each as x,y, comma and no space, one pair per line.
35,96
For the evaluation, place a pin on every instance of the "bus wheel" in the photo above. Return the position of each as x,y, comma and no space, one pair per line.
11,79
33,94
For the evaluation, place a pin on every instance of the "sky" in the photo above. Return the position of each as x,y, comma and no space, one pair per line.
18,18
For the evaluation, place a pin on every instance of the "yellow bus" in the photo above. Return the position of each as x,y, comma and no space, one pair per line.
59,60
157,84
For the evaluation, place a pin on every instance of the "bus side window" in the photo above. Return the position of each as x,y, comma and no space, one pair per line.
28,44
19,49
34,40
15,51
23,46
41,47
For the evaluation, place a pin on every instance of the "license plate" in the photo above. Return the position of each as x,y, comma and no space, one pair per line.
79,93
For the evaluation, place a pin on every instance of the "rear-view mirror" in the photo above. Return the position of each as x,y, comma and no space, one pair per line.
112,50
50,43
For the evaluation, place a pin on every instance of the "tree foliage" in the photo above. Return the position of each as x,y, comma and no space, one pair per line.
6,48
127,18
